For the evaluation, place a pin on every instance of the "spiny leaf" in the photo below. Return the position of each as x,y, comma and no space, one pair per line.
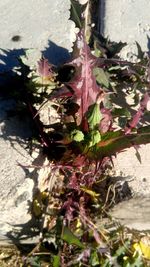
140,53
70,238
113,142
138,115
45,69
84,83
76,13
114,48
117,112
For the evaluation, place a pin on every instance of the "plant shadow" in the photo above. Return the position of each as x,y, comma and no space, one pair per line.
17,126
56,54
119,98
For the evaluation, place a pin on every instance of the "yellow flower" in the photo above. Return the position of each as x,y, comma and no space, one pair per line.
143,247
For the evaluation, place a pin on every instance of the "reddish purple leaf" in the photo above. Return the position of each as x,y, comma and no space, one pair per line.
69,209
136,118
61,93
73,182
97,237
138,115
84,83
106,121
45,69
145,100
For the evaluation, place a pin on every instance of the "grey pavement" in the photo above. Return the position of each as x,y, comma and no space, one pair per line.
39,26
129,21
133,213
126,21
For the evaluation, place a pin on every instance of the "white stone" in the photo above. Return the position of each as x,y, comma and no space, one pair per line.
134,213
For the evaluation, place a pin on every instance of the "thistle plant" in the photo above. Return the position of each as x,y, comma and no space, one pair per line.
91,129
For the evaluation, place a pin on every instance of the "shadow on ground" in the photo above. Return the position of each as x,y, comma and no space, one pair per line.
56,54
9,58
21,127
17,126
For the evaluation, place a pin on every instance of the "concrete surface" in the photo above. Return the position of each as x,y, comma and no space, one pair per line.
134,213
126,21
16,185
38,25
137,174
129,21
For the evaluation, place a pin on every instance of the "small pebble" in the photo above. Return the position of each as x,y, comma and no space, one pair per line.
16,38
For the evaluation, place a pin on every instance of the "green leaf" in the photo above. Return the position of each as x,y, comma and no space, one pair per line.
70,238
122,122
89,192
94,259
113,142
98,50
133,261
136,99
140,53
77,135
114,48
106,263
94,115
117,112
123,115
137,261
121,250
94,138
76,13
101,77
56,261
